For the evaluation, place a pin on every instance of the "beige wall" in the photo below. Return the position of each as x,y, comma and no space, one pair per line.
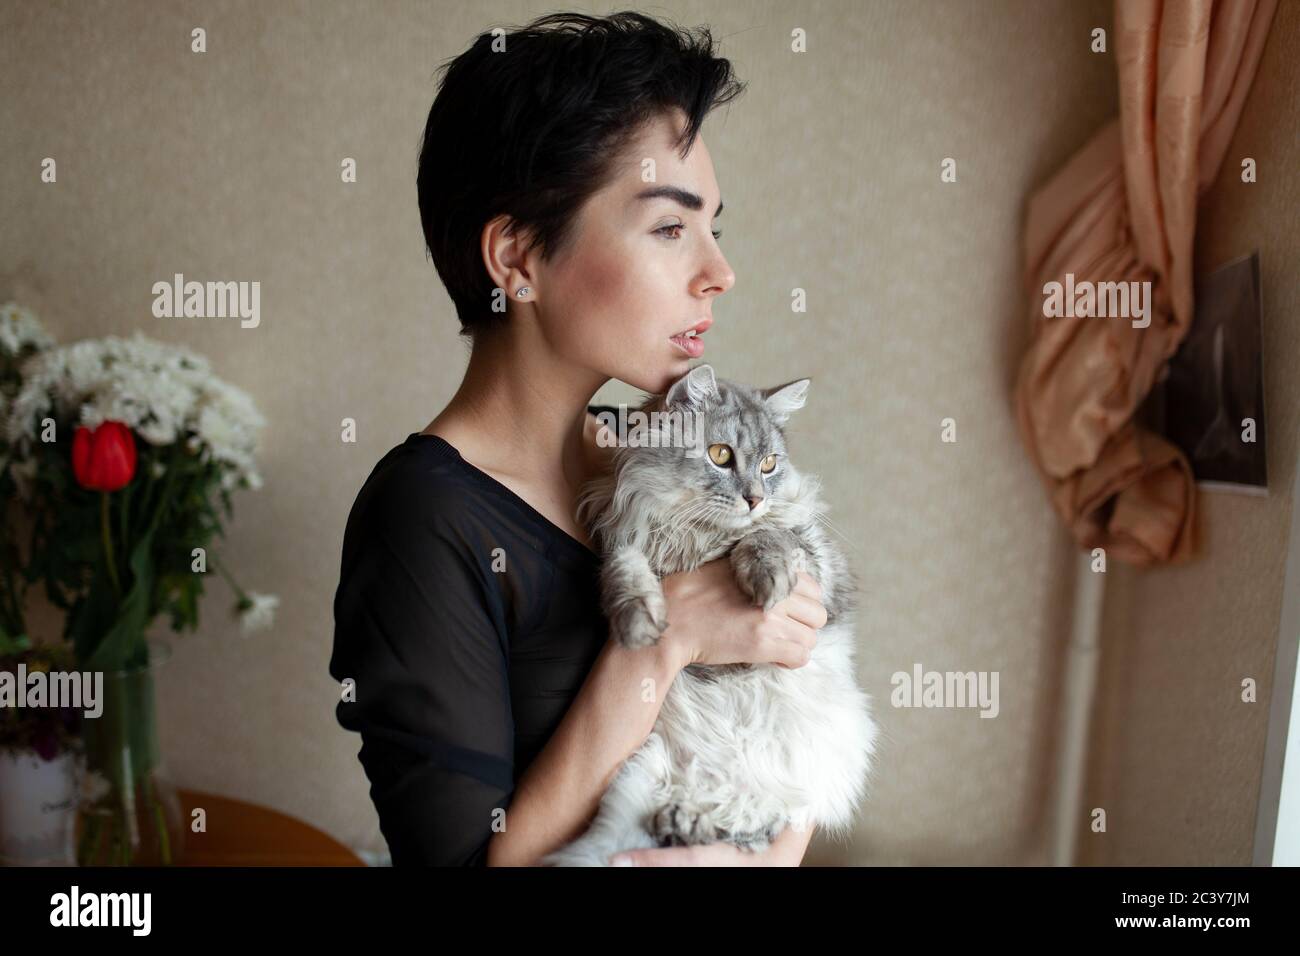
225,166
1177,754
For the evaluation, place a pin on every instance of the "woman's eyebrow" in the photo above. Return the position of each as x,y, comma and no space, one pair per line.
682,196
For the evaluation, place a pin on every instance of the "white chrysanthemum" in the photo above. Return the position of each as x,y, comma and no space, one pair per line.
19,327
165,393
258,612
29,405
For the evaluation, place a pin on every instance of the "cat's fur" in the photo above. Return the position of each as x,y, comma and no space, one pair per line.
739,751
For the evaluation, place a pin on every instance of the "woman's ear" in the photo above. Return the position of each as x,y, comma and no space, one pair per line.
504,247
782,400
692,388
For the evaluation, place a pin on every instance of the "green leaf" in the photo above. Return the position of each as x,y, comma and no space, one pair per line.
124,643
91,616
13,645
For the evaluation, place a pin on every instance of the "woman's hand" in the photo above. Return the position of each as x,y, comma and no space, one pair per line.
786,850
706,854
711,621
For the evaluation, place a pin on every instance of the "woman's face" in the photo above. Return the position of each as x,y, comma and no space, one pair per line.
643,267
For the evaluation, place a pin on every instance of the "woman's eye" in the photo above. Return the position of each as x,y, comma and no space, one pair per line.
662,230
768,464
720,454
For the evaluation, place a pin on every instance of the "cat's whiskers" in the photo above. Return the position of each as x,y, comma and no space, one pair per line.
685,533
713,507
826,522
694,508
803,510
675,534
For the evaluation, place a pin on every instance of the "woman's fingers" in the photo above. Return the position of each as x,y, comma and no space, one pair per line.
805,610
660,856
790,644
794,626
705,854
807,585
791,655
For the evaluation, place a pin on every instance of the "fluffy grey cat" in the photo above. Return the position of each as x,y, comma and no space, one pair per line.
739,751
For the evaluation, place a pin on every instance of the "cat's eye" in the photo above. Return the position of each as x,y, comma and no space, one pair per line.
720,454
768,464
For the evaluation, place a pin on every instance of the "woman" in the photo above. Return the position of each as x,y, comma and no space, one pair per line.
492,710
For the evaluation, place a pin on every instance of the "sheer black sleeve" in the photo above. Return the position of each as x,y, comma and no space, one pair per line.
419,629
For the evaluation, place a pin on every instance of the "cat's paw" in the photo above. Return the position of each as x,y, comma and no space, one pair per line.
755,841
640,621
766,566
680,824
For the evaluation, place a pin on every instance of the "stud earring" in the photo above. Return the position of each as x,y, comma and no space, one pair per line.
522,292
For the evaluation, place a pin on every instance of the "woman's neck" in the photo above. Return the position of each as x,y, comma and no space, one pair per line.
521,411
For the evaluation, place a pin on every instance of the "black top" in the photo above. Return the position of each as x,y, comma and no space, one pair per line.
468,622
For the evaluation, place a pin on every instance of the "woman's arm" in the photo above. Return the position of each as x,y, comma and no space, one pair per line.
610,718
711,621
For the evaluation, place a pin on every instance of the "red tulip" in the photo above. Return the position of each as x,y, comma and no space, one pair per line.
103,459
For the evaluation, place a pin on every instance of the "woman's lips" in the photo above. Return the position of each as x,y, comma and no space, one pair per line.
690,345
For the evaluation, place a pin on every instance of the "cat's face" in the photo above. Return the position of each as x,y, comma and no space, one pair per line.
733,469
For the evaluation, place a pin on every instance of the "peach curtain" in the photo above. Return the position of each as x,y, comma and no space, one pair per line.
1124,209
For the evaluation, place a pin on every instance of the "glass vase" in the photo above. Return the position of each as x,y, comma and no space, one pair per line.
131,812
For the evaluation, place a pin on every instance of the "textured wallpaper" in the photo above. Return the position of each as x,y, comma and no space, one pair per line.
226,166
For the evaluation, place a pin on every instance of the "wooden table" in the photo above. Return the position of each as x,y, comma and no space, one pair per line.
244,834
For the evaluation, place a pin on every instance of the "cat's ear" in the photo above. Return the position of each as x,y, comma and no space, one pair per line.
782,400
693,388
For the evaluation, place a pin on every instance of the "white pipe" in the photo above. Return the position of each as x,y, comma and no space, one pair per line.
1082,659
1277,820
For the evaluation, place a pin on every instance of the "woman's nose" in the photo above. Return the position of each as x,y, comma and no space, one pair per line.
718,278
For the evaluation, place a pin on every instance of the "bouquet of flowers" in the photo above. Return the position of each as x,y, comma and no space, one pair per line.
121,450
120,454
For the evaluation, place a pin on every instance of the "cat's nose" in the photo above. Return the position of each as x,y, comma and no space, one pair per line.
754,501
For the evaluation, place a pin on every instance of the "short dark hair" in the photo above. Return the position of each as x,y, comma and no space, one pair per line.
533,132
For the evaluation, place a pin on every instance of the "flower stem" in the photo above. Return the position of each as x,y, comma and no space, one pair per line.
102,829
124,524
216,563
152,804
106,528
11,607
89,839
